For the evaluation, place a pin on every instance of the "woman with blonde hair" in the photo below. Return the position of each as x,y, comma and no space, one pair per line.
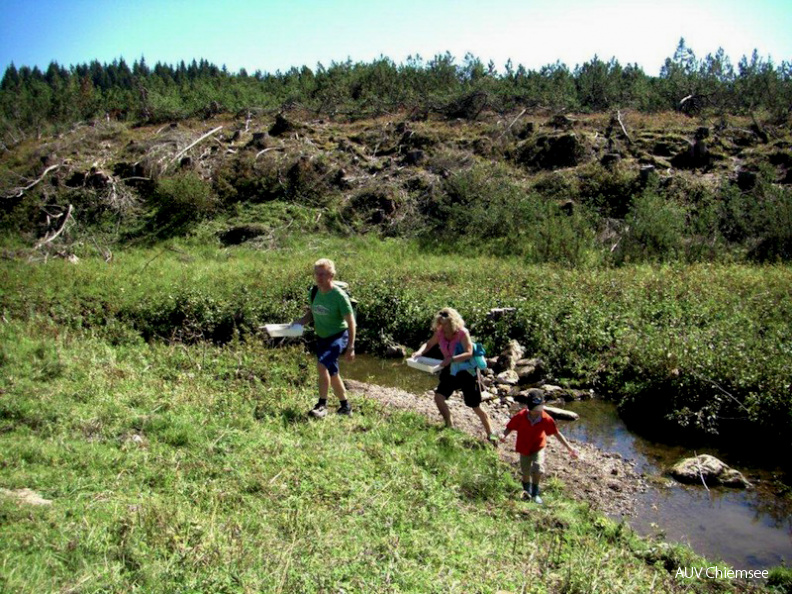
454,341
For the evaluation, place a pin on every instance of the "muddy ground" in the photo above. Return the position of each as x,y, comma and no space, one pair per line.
606,481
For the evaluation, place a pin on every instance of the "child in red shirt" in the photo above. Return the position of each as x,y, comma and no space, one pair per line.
533,425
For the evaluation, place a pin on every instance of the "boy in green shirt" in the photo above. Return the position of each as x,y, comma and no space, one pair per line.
334,323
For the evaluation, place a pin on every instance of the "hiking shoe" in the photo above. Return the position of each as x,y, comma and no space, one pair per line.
537,500
525,496
318,412
345,410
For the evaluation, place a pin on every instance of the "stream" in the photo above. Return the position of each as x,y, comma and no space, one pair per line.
748,529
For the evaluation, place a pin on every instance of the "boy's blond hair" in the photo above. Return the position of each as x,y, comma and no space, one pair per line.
327,264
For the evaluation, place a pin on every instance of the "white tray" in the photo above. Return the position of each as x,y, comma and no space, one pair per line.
284,330
425,364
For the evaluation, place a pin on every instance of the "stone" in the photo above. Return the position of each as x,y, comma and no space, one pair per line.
396,351
561,414
709,469
26,496
500,312
508,377
510,355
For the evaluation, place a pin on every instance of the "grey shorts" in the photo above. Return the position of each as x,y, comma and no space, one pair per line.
533,464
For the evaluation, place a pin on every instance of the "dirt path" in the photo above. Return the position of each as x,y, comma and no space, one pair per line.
608,482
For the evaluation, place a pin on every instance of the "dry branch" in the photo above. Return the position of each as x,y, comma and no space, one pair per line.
48,238
514,121
627,136
701,472
266,150
205,136
17,192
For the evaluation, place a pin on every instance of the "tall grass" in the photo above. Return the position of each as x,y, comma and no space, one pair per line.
193,468
702,347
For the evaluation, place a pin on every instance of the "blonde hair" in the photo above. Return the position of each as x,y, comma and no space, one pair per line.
326,264
457,323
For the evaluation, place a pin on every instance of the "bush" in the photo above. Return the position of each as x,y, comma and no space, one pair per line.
181,201
481,203
560,237
609,192
774,227
780,579
654,231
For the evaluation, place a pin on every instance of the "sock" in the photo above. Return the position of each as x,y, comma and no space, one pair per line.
535,490
527,487
344,403
323,402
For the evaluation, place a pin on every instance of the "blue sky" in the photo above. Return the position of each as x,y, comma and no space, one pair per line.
272,35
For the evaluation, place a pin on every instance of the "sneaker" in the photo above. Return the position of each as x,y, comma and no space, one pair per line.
494,439
345,410
538,500
319,411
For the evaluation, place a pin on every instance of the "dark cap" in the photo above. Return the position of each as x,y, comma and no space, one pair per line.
532,399
535,398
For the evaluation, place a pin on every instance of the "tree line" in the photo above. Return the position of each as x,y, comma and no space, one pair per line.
32,100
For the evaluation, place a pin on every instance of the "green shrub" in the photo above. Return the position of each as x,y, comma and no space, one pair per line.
780,579
308,182
774,227
559,237
246,179
482,203
556,186
607,191
181,201
654,231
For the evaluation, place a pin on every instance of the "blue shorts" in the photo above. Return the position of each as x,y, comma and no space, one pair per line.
329,349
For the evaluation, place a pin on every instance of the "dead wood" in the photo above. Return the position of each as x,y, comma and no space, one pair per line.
204,137
48,238
624,130
18,192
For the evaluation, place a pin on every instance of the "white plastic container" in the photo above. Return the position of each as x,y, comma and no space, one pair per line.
426,364
284,330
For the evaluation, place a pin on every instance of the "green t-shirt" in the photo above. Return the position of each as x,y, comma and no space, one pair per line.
328,311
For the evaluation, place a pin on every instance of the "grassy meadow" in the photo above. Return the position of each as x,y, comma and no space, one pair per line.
697,348
175,468
138,396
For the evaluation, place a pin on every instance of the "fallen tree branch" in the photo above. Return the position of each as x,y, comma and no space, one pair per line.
48,238
514,121
266,150
205,136
701,472
17,192
716,385
618,118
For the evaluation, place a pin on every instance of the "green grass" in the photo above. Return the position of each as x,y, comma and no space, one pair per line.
193,468
699,348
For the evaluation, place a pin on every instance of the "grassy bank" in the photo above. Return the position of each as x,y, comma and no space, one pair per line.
184,468
697,348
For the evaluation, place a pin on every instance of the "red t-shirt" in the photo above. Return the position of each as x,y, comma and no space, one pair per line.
531,438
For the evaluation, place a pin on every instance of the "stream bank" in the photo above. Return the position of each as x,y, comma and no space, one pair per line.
618,472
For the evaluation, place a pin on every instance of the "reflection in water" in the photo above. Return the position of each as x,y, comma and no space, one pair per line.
736,526
746,529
